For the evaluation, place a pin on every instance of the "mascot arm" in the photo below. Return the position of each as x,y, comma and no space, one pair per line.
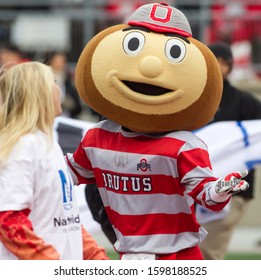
91,250
196,175
17,235
80,167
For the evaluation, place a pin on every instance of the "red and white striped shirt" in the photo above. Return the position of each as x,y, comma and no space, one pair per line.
149,184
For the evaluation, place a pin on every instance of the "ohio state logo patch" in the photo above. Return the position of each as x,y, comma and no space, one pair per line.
143,165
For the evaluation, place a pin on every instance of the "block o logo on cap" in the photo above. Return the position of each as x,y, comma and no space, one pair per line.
160,13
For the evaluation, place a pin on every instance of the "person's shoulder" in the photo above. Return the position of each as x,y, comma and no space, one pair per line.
184,135
33,138
29,146
250,105
36,142
245,95
241,94
107,125
188,139
248,98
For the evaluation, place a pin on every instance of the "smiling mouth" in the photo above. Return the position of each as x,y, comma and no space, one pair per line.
146,89
143,93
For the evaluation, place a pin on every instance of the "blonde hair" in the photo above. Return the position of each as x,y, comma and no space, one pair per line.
26,104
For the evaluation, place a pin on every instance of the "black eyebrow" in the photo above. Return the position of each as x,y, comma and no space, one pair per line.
177,35
148,31
136,28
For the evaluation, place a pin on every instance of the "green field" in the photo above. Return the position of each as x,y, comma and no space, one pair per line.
230,256
243,256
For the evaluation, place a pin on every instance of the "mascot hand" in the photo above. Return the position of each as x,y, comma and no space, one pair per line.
231,184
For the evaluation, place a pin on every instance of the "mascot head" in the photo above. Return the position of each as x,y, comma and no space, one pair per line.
150,75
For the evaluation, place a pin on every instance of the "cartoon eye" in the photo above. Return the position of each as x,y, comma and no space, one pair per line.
175,50
133,43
